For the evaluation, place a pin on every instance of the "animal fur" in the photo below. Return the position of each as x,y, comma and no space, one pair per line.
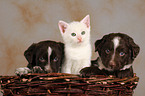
76,36
117,52
43,57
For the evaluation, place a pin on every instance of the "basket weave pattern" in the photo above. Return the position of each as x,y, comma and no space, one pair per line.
60,84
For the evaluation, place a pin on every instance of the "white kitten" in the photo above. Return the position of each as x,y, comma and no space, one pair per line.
76,36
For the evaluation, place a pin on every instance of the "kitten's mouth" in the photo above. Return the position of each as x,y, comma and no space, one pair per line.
79,41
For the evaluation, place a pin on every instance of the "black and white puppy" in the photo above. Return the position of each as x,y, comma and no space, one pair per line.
43,57
117,52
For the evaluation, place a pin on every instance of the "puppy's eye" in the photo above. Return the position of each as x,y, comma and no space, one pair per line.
41,59
73,34
121,53
55,59
107,51
83,32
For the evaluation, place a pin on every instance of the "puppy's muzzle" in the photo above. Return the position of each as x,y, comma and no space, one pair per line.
112,65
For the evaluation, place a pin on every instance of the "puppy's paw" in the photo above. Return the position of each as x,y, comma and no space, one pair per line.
124,73
37,69
22,70
88,71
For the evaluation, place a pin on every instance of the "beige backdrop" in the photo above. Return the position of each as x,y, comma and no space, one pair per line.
23,22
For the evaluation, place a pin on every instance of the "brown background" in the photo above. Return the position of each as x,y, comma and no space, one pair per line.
23,22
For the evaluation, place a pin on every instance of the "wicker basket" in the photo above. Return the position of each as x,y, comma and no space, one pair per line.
60,84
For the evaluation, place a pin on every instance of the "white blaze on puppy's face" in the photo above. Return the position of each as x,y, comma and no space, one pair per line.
48,67
49,52
116,44
115,41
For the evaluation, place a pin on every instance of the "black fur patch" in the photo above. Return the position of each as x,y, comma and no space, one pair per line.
38,52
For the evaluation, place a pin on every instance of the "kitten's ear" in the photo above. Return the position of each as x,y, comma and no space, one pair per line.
86,21
62,26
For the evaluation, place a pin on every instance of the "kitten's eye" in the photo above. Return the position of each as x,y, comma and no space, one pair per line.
73,34
55,59
121,54
41,59
83,32
107,51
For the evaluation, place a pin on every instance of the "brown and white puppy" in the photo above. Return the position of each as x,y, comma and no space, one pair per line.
43,57
117,52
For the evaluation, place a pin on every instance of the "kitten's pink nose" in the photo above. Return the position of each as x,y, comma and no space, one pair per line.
80,39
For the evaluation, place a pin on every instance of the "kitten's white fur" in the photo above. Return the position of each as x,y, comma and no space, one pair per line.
77,54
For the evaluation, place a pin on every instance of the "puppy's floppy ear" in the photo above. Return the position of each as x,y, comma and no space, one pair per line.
134,48
61,47
99,43
29,53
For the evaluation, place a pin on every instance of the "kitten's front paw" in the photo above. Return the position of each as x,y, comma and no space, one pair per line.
66,70
37,69
22,70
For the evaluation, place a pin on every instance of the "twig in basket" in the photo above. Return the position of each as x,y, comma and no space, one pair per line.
129,80
98,76
61,77
98,79
67,90
49,74
48,91
116,80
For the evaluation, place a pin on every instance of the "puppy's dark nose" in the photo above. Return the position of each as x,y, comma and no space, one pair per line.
112,64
